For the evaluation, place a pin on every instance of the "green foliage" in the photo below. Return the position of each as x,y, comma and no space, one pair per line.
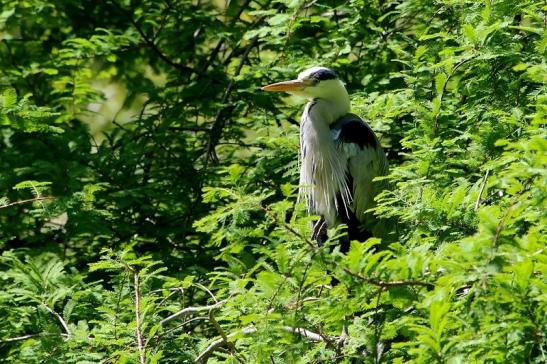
148,209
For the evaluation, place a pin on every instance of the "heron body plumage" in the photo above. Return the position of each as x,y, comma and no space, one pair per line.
322,172
339,153
340,157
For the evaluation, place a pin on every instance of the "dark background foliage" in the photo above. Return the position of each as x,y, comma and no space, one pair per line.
144,174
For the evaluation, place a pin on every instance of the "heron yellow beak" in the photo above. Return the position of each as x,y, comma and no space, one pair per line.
292,85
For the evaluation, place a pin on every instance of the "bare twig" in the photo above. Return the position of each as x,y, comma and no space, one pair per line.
189,321
202,287
189,128
60,318
445,84
220,118
306,334
313,246
140,340
30,336
214,345
483,185
173,292
213,55
289,228
21,202
205,354
224,337
378,348
189,310
388,284
219,45
19,338
118,301
150,43
158,337
501,225
163,21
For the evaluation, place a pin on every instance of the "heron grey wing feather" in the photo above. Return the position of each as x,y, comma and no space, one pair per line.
365,160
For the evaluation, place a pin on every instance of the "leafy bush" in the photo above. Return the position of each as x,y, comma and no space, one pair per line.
148,188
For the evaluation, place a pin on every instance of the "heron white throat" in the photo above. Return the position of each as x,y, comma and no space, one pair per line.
340,154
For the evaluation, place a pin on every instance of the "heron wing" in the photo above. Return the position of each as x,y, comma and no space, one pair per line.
365,160
351,129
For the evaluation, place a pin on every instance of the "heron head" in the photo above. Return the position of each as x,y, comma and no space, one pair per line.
315,82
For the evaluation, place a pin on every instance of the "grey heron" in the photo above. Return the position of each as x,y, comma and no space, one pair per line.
339,155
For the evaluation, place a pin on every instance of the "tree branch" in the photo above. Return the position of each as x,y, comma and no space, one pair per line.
306,334
220,118
221,42
224,337
483,185
21,202
313,246
60,318
205,354
140,340
153,45
29,336
189,310
445,84
214,345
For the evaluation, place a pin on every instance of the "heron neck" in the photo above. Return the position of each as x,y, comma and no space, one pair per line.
327,111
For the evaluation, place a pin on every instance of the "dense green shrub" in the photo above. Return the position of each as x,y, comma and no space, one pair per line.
148,188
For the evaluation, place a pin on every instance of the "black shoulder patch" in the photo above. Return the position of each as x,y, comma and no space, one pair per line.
350,128
323,74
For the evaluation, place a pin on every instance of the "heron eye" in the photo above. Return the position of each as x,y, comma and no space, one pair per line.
312,81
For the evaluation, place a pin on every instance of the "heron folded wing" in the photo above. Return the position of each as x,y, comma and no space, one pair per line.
351,129
365,160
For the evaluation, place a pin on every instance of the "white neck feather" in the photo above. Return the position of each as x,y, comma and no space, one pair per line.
322,172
